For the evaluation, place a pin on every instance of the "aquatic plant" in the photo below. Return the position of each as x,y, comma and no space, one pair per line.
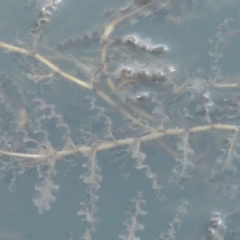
118,111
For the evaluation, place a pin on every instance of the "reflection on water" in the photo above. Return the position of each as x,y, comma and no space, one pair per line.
119,120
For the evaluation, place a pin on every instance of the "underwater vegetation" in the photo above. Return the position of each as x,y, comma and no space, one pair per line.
120,121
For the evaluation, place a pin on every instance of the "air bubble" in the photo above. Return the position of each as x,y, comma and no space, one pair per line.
143,46
144,74
126,72
143,96
131,39
159,49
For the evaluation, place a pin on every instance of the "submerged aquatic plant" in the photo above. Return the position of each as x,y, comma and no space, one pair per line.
78,105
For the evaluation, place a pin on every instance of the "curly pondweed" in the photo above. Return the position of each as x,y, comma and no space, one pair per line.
115,110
